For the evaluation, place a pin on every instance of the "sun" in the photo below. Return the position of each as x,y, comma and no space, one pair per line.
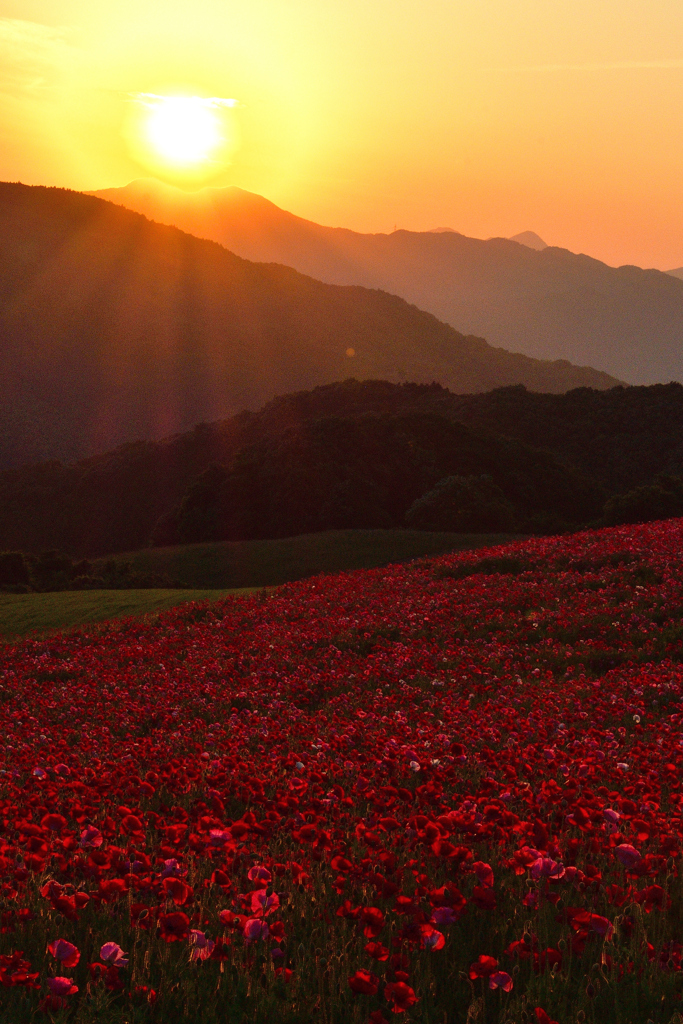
184,130
182,137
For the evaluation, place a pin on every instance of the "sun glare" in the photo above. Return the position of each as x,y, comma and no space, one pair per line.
182,136
183,129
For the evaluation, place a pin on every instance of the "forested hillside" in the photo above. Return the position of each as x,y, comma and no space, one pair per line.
350,454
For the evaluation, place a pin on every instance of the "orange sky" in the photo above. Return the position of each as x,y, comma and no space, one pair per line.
488,116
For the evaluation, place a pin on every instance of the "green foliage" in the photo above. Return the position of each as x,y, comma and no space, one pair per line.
621,438
53,571
324,454
367,471
662,499
14,571
462,503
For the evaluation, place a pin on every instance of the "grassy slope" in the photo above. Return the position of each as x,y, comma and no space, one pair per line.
260,563
21,614
219,569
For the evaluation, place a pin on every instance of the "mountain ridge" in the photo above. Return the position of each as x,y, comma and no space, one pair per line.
114,328
549,303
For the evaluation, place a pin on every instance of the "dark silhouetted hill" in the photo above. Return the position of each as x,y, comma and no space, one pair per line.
549,304
350,454
114,328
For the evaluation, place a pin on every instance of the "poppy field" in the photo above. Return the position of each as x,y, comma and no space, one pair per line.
447,791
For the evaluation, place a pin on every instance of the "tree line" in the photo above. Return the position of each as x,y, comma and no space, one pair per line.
365,454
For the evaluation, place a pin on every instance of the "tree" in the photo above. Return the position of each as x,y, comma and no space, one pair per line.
662,499
14,572
468,504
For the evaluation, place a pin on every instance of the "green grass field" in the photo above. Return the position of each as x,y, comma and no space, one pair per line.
211,571
263,563
23,614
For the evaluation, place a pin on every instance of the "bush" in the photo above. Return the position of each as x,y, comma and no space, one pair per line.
470,504
14,572
662,499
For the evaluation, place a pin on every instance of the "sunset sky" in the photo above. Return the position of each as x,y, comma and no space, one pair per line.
488,116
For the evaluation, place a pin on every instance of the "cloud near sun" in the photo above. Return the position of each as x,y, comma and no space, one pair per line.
189,136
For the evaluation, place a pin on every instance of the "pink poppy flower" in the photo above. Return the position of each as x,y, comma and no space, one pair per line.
254,929
61,987
627,855
443,916
91,838
203,947
500,980
546,867
65,952
260,874
112,954
263,904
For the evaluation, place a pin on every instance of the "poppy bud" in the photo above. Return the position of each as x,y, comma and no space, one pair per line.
590,991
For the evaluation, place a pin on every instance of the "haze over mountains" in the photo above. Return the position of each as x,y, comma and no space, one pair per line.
114,328
546,302
530,239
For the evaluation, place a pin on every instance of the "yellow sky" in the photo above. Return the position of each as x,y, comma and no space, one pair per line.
489,116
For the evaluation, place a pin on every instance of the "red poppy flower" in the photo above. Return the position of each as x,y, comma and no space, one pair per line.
372,920
364,982
174,927
177,890
431,938
377,951
484,966
401,996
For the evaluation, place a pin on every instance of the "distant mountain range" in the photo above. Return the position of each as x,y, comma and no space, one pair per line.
530,239
114,328
520,294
